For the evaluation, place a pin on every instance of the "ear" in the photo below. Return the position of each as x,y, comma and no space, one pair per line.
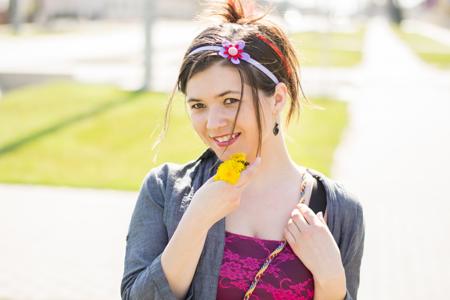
280,98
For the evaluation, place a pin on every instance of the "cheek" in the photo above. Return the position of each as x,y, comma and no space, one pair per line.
197,122
198,126
267,126
247,119
264,123
200,130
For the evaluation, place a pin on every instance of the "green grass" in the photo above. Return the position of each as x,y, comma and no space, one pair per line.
313,140
426,48
333,49
30,110
107,141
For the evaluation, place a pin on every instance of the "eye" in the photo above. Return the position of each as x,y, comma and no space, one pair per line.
194,106
233,100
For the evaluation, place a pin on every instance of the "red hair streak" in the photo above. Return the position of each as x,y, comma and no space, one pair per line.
277,51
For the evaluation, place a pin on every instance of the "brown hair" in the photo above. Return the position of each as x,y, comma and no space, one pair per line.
264,41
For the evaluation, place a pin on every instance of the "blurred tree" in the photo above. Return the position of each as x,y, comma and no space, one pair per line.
149,17
394,11
14,15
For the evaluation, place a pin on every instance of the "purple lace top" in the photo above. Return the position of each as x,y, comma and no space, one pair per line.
285,278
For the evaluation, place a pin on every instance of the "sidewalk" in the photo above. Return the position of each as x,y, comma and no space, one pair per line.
395,158
62,243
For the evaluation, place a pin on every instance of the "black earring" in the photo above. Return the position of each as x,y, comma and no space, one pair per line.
276,129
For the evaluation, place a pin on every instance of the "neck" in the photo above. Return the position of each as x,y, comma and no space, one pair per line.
277,167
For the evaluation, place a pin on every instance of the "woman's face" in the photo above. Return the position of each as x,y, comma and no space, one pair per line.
212,97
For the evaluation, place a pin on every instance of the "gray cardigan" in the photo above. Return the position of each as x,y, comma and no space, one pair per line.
165,195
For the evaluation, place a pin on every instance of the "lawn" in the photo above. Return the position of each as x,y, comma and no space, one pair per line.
329,49
426,48
80,135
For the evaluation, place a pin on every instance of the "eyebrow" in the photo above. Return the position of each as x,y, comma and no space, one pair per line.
218,96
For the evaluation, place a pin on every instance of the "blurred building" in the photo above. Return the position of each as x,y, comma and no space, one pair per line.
43,11
436,11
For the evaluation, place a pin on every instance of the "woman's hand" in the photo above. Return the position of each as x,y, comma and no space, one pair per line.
312,242
216,199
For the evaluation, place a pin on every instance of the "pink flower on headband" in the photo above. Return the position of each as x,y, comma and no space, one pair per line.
234,51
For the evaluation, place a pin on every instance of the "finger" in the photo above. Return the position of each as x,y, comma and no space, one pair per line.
299,220
248,173
288,236
293,229
308,214
320,216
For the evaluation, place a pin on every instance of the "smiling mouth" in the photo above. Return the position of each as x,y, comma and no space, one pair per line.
227,140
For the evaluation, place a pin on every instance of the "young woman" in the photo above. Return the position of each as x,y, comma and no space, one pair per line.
193,237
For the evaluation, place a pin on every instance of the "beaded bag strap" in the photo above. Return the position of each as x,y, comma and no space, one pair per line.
305,189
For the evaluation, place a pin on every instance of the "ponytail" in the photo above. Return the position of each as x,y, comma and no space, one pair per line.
234,11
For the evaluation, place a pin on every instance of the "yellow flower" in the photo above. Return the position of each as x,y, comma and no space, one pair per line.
238,156
230,170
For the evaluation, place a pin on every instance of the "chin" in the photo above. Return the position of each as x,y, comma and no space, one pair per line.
230,152
225,155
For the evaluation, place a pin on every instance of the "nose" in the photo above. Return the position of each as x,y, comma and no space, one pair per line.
217,120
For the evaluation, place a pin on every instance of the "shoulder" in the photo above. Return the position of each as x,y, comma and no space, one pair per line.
166,172
345,204
348,202
160,181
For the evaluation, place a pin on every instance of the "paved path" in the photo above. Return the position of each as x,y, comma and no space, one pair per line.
395,157
62,243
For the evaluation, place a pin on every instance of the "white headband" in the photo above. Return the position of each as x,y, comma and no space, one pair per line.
235,52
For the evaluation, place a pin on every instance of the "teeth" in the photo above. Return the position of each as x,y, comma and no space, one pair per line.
222,139
226,138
